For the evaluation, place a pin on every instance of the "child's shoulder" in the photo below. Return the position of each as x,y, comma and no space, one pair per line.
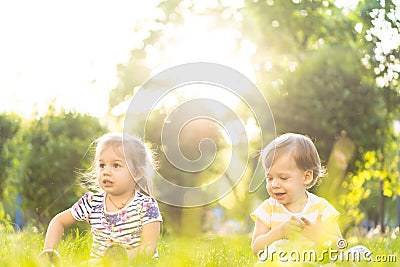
141,197
94,197
269,202
319,202
316,199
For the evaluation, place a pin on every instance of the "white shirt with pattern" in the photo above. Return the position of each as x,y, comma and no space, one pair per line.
123,227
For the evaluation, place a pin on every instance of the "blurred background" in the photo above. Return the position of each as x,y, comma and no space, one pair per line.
328,69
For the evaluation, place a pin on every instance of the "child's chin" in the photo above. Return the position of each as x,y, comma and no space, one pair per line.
280,201
107,190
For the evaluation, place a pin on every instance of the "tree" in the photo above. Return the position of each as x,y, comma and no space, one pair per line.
57,147
310,70
310,57
314,67
381,31
9,127
135,72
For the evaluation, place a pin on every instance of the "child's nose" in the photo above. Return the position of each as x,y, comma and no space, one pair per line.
106,170
274,183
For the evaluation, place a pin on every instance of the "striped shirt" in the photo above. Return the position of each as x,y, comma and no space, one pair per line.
272,213
123,227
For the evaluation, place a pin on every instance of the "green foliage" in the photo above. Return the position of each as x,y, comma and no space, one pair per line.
57,146
325,96
310,69
9,126
5,220
289,27
135,72
318,70
207,251
189,140
22,250
318,74
130,75
380,22
361,200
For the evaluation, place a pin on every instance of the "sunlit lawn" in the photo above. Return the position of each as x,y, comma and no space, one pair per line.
22,249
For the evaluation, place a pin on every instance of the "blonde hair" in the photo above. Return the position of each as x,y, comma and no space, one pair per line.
303,151
137,156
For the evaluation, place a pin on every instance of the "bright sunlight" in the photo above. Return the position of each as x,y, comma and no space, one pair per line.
66,53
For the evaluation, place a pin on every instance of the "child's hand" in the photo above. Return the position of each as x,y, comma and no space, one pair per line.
50,257
313,231
115,255
291,228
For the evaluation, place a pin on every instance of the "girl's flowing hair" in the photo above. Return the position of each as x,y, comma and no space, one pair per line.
137,155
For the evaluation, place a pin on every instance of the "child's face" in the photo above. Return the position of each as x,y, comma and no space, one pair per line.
113,173
287,183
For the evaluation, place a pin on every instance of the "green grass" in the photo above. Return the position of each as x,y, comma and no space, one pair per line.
23,248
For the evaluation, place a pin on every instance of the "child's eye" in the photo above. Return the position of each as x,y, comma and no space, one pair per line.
116,165
269,179
102,165
284,178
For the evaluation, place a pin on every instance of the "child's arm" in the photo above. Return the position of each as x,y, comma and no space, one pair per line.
150,235
264,236
149,241
56,228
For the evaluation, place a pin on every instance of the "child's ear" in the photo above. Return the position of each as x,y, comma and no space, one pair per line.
308,177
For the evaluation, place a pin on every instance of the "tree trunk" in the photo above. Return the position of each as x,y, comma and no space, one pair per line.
381,207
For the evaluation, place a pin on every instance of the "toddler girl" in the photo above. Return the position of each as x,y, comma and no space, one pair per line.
122,213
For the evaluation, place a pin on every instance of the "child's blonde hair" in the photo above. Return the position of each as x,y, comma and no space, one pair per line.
137,156
303,151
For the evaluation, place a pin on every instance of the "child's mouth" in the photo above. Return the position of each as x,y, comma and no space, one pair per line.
107,182
279,195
